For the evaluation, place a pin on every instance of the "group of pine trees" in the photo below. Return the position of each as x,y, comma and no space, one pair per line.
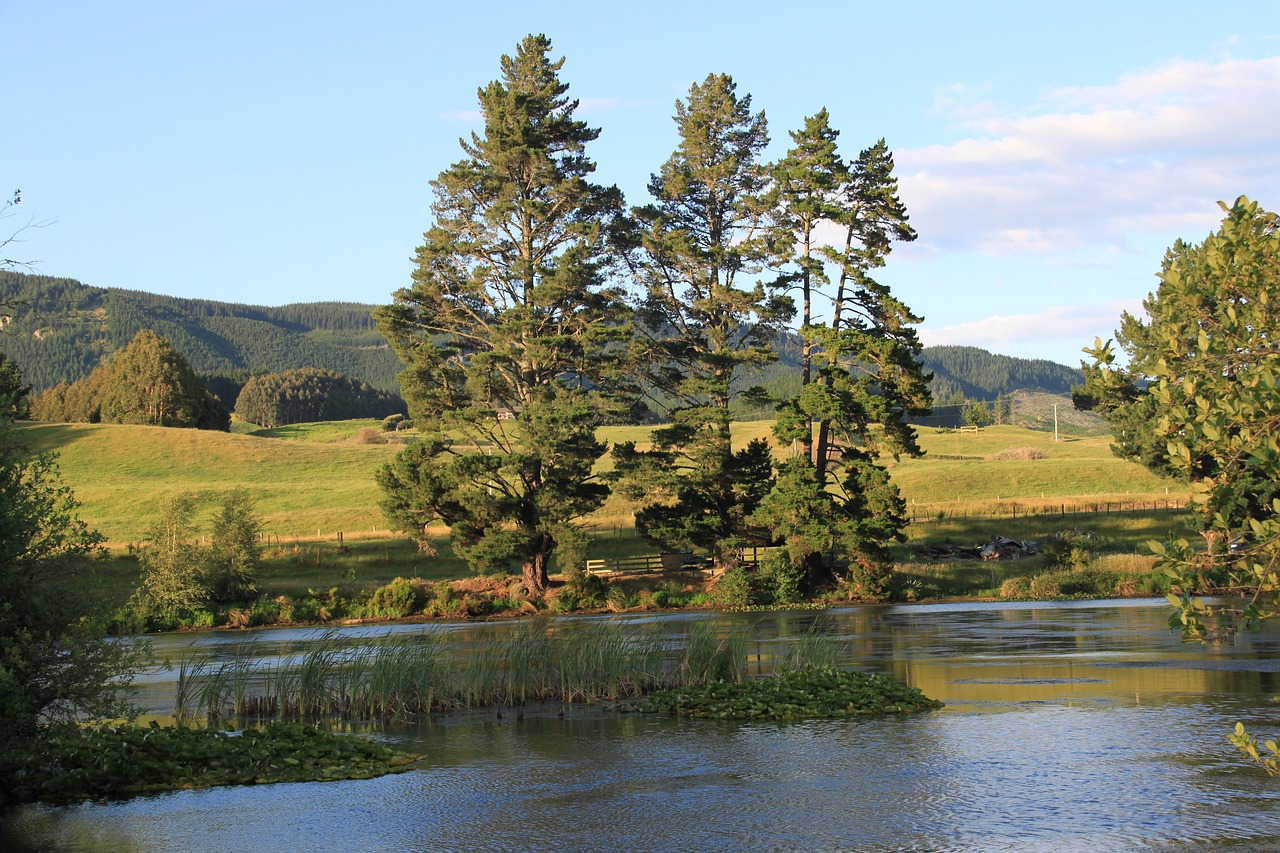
311,394
150,382
541,306
146,382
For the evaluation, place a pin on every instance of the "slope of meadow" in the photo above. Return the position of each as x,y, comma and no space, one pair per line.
317,480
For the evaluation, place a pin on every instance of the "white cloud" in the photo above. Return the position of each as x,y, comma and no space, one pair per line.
1148,154
1008,332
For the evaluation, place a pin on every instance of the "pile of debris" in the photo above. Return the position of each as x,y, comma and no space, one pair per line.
999,548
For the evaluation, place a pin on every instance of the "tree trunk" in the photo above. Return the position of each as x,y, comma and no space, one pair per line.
534,572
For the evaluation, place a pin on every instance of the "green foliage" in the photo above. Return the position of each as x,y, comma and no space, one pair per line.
397,599
77,764
793,694
705,322
1241,740
13,391
180,576
1209,351
508,331
146,382
977,374
1072,549
701,493
62,329
860,372
310,394
740,587
55,664
582,591
978,414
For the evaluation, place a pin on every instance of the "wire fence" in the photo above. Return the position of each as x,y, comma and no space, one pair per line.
925,513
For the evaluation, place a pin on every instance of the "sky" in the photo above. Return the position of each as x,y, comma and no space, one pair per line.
277,152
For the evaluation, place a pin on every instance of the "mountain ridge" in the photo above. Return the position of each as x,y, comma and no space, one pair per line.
59,329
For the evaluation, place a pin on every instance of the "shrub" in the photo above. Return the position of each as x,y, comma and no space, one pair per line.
581,591
1015,588
616,599
1073,549
739,587
369,435
398,598
391,423
1045,586
783,577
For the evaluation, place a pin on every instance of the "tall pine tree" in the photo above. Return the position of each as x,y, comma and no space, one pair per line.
861,370
697,253
507,330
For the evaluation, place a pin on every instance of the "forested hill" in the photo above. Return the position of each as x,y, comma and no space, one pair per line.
981,375
61,329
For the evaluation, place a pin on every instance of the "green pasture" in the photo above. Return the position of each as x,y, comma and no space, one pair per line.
963,472
314,481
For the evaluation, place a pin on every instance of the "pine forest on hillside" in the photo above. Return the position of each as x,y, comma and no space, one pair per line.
61,329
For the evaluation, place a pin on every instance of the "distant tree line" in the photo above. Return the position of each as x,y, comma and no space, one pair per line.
146,382
59,330
977,374
310,394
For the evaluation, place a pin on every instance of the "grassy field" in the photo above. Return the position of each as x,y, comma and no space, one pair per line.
983,472
314,481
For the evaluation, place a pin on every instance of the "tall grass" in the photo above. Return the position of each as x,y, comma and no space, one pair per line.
537,661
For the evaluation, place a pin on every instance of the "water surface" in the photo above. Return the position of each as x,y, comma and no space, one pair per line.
1078,726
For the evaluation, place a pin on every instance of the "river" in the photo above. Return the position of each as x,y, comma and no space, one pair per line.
1068,726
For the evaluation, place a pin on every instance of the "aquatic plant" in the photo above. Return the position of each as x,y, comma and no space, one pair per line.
538,661
75,764
792,694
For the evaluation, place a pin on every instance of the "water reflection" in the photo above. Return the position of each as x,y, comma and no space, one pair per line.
1068,727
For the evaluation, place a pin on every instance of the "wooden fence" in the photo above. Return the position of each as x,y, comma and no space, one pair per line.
649,563
1014,509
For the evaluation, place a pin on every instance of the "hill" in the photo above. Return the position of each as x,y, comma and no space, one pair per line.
981,375
60,329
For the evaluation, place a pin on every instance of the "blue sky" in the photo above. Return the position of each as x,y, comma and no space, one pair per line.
281,152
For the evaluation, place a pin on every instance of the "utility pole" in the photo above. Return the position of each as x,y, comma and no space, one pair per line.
1055,423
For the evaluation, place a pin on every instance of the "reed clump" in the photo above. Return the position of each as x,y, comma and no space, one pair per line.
398,677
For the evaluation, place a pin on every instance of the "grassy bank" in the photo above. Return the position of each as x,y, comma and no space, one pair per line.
328,548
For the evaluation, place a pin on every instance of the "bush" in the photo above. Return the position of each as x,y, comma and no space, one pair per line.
369,435
398,598
1073,549
784,578
582,591
1015,588
739,587
1046,585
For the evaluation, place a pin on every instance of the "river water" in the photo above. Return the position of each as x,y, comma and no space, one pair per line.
1072,726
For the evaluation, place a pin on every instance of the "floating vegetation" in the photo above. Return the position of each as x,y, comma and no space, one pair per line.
74,764
792,695
539,661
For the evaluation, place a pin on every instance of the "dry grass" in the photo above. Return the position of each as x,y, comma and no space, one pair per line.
1016,454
